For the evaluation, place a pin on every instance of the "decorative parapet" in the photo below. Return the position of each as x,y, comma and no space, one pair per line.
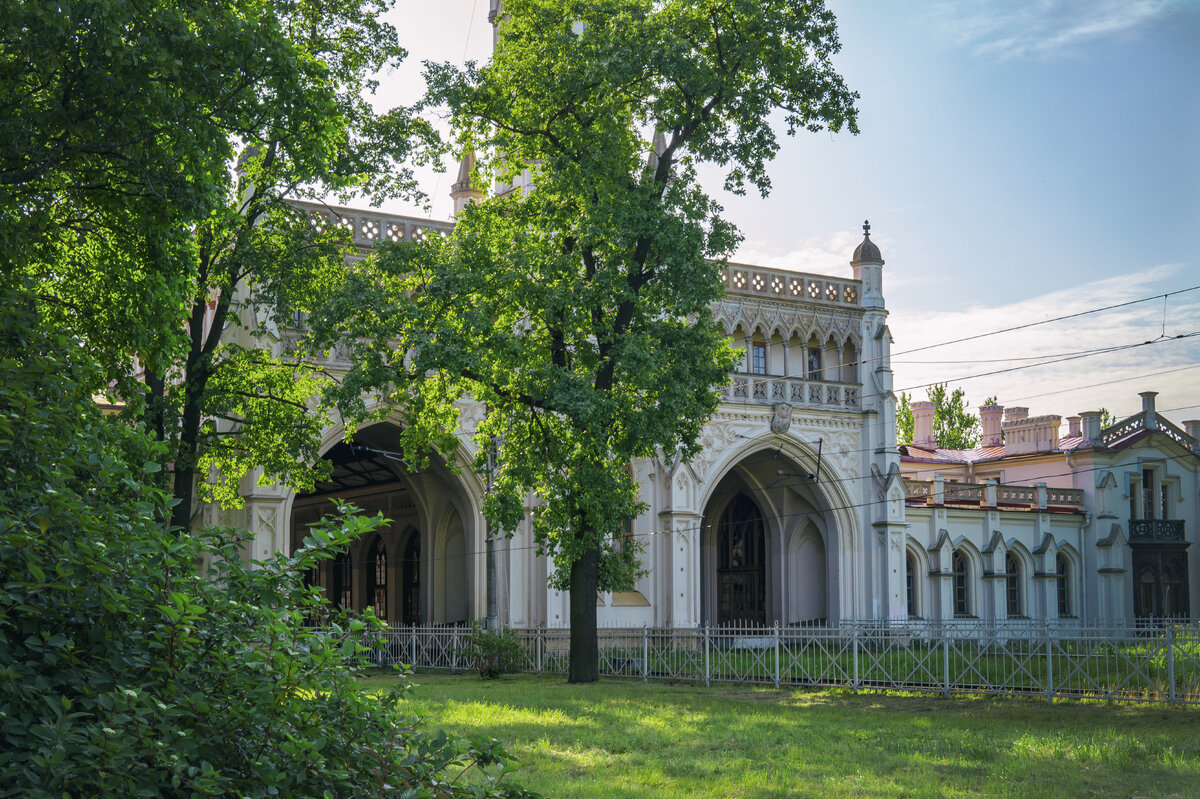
371,227
757,281
923,492
767,390
1127,427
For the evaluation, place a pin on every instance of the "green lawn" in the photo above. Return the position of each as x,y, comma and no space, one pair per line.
627,738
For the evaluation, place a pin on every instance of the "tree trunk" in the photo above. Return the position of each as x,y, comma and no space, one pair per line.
585,649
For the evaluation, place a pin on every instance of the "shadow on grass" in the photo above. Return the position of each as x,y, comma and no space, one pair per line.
627,738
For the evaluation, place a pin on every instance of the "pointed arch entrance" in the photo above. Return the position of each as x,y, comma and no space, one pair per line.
415,569
768,542
741,564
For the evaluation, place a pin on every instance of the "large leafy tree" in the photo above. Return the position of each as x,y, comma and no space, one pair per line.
576,307
126,671
954,425
174,269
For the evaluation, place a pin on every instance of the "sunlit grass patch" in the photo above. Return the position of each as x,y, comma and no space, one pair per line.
626,738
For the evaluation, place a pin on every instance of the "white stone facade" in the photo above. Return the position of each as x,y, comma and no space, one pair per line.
798,508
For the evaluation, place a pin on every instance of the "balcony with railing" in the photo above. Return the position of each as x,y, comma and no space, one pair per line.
1155,531
993,496
768,390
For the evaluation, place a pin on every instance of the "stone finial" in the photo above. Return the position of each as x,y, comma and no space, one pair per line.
465,190
1148,411
1073,426
866,250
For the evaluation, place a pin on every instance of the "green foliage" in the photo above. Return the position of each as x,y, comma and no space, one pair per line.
126,670
577,307
954,425
904,419
1106,419
168,266
688,741
495,652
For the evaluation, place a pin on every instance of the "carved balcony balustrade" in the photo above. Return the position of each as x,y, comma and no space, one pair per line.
993,495
1145,530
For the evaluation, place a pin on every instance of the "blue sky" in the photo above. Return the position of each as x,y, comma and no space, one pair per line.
1019,160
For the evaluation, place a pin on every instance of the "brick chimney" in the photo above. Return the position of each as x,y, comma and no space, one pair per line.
1193,429
1015,413
923,425
1073,428
990,417
1029,435
1091,427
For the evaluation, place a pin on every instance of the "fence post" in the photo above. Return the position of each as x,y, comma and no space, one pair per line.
776,653
454,652
414,646
1049,666
854,651
1171,698
706,656
945,663
538,637
645,652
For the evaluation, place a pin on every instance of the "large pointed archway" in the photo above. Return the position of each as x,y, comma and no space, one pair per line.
418,567
768,545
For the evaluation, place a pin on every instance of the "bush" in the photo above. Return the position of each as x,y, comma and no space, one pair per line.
495,652
127,670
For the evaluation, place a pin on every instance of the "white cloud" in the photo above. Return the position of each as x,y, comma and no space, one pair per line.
1047,28
827,254
1111,379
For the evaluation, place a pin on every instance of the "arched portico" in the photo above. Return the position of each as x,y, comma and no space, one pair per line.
769,543
418,567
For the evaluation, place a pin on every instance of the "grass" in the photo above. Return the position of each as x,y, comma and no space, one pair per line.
627,738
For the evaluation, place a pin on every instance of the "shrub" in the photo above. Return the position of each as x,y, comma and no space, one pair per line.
128,670
495,652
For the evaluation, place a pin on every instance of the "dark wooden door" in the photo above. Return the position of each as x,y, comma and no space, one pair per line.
741,564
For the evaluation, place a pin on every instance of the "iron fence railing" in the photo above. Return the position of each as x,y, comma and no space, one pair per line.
1145,662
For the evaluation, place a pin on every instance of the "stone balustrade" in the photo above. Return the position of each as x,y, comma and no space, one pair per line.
941,492
369,227
768,390
758,281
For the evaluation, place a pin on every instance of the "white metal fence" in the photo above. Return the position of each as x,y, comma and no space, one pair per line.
1150,663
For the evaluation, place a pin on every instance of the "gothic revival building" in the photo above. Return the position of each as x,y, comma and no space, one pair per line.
793,511
1095,525
799,507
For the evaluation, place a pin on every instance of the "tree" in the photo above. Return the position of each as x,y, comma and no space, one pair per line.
954,426
128,672
577,307
172,269
904,419
135,661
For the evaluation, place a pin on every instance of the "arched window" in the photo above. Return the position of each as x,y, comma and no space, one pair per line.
962,589
1063,582
758,357
378,577
410,580
1012,587
814,360
741,564
910,585
342,585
